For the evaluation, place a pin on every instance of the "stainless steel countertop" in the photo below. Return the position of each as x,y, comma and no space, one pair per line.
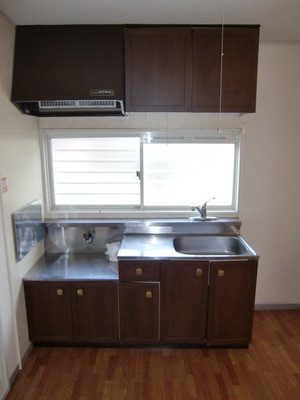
95,266
161,247
73,267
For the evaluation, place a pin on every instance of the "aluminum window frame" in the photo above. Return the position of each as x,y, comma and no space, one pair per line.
166,136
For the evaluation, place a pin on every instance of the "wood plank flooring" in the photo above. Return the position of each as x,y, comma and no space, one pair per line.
268,370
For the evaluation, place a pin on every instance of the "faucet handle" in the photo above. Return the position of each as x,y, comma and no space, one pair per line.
203,208
202,211
204,204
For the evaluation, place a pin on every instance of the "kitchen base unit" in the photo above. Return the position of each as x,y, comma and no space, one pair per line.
164,291
72,312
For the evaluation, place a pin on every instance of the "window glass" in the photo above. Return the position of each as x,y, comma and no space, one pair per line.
93,171
182,174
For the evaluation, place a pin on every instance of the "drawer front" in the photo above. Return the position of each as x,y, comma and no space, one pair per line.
136,270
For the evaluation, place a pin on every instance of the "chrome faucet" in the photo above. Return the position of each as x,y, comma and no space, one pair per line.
202,209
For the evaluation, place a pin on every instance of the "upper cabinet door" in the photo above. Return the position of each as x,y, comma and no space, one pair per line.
158,69
239,72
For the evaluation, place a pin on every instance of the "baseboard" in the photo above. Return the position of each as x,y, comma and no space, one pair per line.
27,352
14,375
17,369
289,306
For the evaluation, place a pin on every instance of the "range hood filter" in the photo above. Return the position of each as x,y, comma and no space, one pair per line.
82,105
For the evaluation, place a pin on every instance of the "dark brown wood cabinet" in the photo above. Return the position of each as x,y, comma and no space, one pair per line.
139,270
179,68
158,69
155,302
95,311
49,316
139,292
231,302
72,312
184,288
239,70
139,313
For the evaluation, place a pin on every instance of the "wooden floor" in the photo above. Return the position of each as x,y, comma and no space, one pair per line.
268,370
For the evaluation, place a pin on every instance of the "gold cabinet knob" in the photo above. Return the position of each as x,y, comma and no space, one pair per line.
60,292
79,292
149,294
220,273
199,272
139,271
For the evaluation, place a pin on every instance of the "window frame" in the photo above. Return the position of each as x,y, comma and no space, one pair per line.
167,136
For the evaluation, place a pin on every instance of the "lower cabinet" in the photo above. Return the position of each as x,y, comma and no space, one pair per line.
49,311
76,311
231,302
139,292
155,302
95,312
183,301
139,313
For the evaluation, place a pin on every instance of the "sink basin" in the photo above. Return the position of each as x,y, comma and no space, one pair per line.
211,245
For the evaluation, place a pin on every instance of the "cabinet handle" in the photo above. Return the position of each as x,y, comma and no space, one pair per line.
220,273
139,271
149,294
79,292
199,272
60,292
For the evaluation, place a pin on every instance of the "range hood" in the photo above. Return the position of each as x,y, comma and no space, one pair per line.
69,70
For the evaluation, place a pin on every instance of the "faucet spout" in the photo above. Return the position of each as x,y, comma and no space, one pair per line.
202,210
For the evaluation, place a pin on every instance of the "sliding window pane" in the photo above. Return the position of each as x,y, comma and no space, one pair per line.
95,171
186,174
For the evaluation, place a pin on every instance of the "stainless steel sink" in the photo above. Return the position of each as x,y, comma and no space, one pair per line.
212,246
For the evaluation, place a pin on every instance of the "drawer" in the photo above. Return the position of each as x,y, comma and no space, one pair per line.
137,270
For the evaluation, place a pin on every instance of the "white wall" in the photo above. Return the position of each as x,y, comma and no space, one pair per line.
270,196
20,165
5,310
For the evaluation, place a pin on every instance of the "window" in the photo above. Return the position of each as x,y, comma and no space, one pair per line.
115,171
95,171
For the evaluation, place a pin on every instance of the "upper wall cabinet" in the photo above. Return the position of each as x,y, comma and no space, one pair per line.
158,69
179,68
237,92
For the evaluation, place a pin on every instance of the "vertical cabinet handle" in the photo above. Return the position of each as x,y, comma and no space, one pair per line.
149,294
199,272
220,273
79,292
60,292
139,271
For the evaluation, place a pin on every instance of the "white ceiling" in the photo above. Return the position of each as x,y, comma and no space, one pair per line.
279,19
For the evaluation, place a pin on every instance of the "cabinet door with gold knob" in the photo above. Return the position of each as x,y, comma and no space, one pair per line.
139,312
231,302
48,307
184,288
95,311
